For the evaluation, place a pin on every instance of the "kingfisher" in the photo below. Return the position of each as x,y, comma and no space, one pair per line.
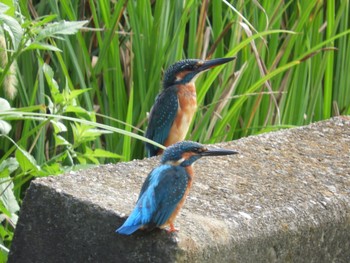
166,187
175,106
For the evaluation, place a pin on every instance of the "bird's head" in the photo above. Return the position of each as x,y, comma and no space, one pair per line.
186,71
185,153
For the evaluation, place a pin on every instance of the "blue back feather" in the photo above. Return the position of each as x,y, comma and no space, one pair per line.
160,194
161,118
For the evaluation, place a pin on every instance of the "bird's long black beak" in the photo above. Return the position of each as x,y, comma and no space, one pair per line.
208,64
216,152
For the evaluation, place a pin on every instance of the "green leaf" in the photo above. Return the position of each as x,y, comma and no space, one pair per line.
26,161
82,160
95,132
6,235
59,140
8,198
5,127
4,8
103,153
41,46
85,133
4,211
58,126
60,28
52,169
81,113
13,28
76,109
75,93
3,251
42,22
9,7
4,173
54,88
9,165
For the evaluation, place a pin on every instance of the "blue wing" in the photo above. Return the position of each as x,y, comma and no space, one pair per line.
161,118
171,189
163,189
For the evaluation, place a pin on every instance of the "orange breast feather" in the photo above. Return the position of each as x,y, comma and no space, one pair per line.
171,219
187,99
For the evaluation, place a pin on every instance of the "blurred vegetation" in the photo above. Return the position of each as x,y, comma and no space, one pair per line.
87,72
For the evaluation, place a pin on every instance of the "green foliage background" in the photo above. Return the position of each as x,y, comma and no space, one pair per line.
84,88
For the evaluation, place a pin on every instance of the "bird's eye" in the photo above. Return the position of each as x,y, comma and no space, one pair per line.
198,150
199,64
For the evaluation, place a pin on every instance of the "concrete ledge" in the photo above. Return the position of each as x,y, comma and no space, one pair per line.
286,198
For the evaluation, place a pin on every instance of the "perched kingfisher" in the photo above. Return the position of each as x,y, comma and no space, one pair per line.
165,189
175,106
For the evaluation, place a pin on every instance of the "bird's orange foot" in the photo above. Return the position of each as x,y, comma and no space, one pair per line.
172,229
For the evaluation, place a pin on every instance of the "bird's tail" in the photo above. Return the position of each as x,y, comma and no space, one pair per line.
127,230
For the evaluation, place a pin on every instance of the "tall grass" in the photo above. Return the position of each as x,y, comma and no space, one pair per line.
135,41
292,68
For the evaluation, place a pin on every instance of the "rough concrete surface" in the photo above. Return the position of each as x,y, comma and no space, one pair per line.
285,198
